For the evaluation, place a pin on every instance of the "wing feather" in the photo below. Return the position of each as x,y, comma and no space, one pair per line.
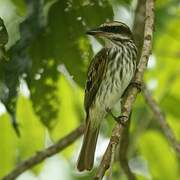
96,72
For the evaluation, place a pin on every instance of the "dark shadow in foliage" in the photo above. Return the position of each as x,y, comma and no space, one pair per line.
19,62
63,42
42,47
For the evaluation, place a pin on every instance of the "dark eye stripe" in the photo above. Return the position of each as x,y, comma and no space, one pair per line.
116,29
106,29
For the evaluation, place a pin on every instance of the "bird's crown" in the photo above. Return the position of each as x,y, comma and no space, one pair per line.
115,27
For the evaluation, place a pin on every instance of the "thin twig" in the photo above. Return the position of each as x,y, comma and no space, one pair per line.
160,117
132,91
41,155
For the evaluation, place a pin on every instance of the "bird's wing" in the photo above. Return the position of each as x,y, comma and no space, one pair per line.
96,73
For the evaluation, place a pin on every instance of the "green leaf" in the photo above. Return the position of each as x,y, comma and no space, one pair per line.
166,70
70,109
166,11
174,124
8,141
159,155
32,130
170,104
21,6
64,42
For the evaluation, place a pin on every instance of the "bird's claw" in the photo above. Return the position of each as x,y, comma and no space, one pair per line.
120,119
138,85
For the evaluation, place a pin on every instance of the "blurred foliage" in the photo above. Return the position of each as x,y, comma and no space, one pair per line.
42,83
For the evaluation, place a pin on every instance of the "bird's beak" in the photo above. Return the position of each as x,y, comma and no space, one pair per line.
95,32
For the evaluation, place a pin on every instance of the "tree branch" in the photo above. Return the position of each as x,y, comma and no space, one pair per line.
41,155
124,144
138,27
160,117
132,92
138,30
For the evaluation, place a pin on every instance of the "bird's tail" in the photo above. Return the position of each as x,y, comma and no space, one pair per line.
86,157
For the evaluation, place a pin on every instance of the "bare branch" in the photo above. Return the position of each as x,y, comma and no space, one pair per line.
41,155
138,27
160,117
138,30
110,177
132,92
124,144
107,157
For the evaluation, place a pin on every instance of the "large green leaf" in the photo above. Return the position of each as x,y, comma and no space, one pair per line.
161,159
21,6
19,62
166,70
14,149
174,124
8,145
32,130
166,11
70,109
63,42
170,104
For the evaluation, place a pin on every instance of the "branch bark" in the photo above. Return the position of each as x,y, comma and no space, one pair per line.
160,117
132,91
138,30
41,155
124,144
138,27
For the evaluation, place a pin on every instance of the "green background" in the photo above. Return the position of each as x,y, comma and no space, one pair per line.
49,53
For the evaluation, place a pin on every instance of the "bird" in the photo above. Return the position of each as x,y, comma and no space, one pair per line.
109,74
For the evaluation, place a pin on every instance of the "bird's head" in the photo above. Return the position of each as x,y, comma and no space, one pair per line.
113,31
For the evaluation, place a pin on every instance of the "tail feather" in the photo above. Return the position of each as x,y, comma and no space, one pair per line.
86,157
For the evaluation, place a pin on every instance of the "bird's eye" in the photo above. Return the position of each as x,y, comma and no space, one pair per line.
106,29
112,29
115,29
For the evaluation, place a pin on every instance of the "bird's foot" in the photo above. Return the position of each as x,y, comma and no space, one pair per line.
120,119
138,85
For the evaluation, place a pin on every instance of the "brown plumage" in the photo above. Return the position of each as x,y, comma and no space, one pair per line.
96,74
109,74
